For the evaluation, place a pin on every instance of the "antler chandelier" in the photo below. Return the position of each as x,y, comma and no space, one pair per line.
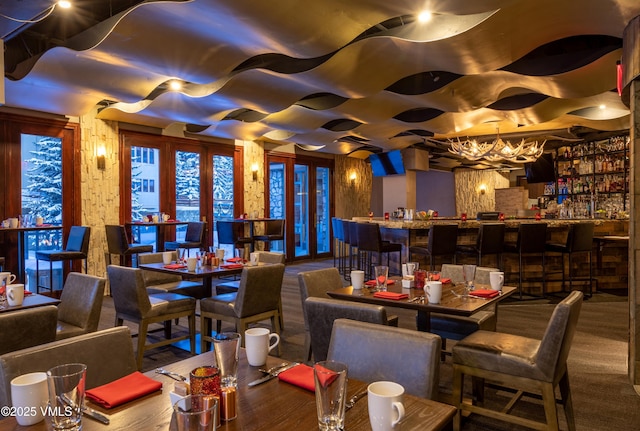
497,150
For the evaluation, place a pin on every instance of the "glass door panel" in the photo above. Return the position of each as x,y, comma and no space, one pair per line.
301,209
277,197
145,192
187,190
323,233
222,194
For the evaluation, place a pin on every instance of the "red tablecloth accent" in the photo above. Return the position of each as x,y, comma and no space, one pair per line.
123,390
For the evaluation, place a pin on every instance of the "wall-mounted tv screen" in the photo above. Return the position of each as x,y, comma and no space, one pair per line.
389,163
540,171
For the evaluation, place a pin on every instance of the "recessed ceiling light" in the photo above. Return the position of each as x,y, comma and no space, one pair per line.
424,16
603,106
175,85
64,4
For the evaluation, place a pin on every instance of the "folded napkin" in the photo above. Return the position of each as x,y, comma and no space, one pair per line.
484,293
445,280
300,375
27,293
123,390
236,259
173,221
175,266
390,295
373,282
232,266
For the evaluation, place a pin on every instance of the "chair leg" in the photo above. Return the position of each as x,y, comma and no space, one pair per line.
307,346
565,393
192,332
205,331
550,409
167,329
51,276
456,398
37,276
142,339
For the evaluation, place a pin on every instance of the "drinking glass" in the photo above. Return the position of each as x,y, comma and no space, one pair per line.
381,273
66,396
469,272
195,413
226,346
330,379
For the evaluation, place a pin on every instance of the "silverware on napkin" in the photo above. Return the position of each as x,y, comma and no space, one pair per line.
272,374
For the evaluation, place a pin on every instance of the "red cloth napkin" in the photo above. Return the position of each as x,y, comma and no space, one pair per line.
175,266
390,295
27,293
446,280
484,293
232,266
123,390
173,221
300,375
236,259
373,282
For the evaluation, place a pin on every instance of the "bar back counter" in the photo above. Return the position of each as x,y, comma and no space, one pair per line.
609,253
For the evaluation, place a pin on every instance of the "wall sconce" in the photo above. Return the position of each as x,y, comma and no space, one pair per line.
353,178
254,171
101,158
483,189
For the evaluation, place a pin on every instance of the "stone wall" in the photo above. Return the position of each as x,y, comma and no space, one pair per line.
253,189
352,198
99,188
469,198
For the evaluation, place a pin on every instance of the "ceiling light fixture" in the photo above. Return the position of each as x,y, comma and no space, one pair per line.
425,16
64,4
497,150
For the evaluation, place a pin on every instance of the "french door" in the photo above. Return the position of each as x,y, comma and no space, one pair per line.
300,191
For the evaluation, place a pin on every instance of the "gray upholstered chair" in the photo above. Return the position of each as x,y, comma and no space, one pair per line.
525,364
80,305
133,303
108,355
322,312
77,248
273,231
28,327
453,327
372,353
257,299
118,244
193,238
316,284
160,282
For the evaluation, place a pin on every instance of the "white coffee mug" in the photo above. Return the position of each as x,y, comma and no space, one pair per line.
433,291
14,222
15,294
6,278
220,253
192,263
496,279
385,405
253,258
167,257
165,217
29,396
257,345
357,279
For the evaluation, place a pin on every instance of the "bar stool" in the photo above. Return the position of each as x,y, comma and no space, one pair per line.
338,236
442,242
353,237
490,241
579,240
347,247
273,231
118,243
193,238
531,240
370,241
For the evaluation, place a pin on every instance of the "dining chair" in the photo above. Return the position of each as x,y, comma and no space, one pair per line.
118,244
77,248
80,305
322,312
193,238
530,242
27,327
273,231
258,298
490,240
373,352
526,365
133,303
315,284
442,242
579,240
108,355
160,282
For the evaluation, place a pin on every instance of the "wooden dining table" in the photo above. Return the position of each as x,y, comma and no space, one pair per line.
274,405
452,301
205,272
31,301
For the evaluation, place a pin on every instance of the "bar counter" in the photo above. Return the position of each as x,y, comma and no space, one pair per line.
611,270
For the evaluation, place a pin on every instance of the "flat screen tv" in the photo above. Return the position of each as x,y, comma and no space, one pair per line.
389,163
540,171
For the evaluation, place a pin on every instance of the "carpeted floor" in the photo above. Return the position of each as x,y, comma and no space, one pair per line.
603,397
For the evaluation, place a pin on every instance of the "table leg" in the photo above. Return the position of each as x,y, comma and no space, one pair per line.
21,263
423,321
